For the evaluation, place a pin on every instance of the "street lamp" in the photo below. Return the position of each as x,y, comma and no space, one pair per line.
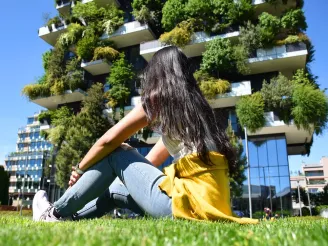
248,175
23,186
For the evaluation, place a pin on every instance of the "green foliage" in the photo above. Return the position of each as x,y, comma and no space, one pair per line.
250,36
277,95
45,116
107,53
218,56
240,55
180,36
74,75
270,27
292,39
294,21
250,112
34,91
211,86
119,80
113,19
147,10
56,64
45,59
72,35
83,131
90,12
55,20
4,186
58,88
86,46
237,178
311,108
173,13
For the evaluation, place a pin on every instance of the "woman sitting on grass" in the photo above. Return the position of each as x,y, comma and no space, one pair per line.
112,174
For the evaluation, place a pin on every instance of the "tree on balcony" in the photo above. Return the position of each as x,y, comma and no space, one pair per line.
120,79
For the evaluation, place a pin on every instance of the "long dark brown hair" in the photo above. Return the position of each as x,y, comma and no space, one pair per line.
176,107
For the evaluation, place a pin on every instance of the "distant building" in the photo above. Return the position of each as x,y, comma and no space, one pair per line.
313,178
26,164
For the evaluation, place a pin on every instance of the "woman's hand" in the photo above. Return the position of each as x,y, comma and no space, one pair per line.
74,177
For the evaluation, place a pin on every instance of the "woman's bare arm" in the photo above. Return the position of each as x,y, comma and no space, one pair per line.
115,136
158,154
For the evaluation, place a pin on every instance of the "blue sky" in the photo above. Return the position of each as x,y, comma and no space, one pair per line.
21,64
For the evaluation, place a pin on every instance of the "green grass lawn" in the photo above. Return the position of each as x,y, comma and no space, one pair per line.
15,230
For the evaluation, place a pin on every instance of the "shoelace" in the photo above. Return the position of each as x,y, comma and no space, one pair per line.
46,213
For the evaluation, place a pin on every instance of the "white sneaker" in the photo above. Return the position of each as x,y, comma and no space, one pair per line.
42,208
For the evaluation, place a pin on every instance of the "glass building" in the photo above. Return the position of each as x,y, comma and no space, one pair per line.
26,164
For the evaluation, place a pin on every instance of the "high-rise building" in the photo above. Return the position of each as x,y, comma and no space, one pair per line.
280,47
312,177
26,164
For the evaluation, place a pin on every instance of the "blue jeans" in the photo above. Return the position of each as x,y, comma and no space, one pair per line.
123,179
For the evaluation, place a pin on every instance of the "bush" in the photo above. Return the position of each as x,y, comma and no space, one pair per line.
305,211
180,36
240,56
86,46
270,27
58,88
90,12
218,56
277,95
311,108
250,37
147,10
318,209
211,86
35,91
173,13
292,39
107,53
45,59
56,20
113,19
250,112
294,21
71,36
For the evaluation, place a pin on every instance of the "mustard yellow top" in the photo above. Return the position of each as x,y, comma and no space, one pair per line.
200,191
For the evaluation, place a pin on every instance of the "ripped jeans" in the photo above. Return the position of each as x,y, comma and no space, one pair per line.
123,179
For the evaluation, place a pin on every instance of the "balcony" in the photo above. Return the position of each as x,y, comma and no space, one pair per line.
263,6
131,33
104,3
288,57
52,102
195,48
50,34
229,99
96,67
64,7
294,136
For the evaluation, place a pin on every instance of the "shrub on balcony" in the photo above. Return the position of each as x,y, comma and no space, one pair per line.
277,95
85,47
58,88
250,36
45,59
220,55
210,86
294,21
292,39
310,109
270,27
173,13
180,36
120,79
71,36
55,20
147,10
35,91
107,53
250,112
113,19
89,12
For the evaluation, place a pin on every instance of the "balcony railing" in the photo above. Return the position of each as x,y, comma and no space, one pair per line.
51,33
195,48
289,57
229,99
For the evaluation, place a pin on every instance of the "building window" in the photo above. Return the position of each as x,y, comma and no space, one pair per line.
313,173
313,190
316,181
30,120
